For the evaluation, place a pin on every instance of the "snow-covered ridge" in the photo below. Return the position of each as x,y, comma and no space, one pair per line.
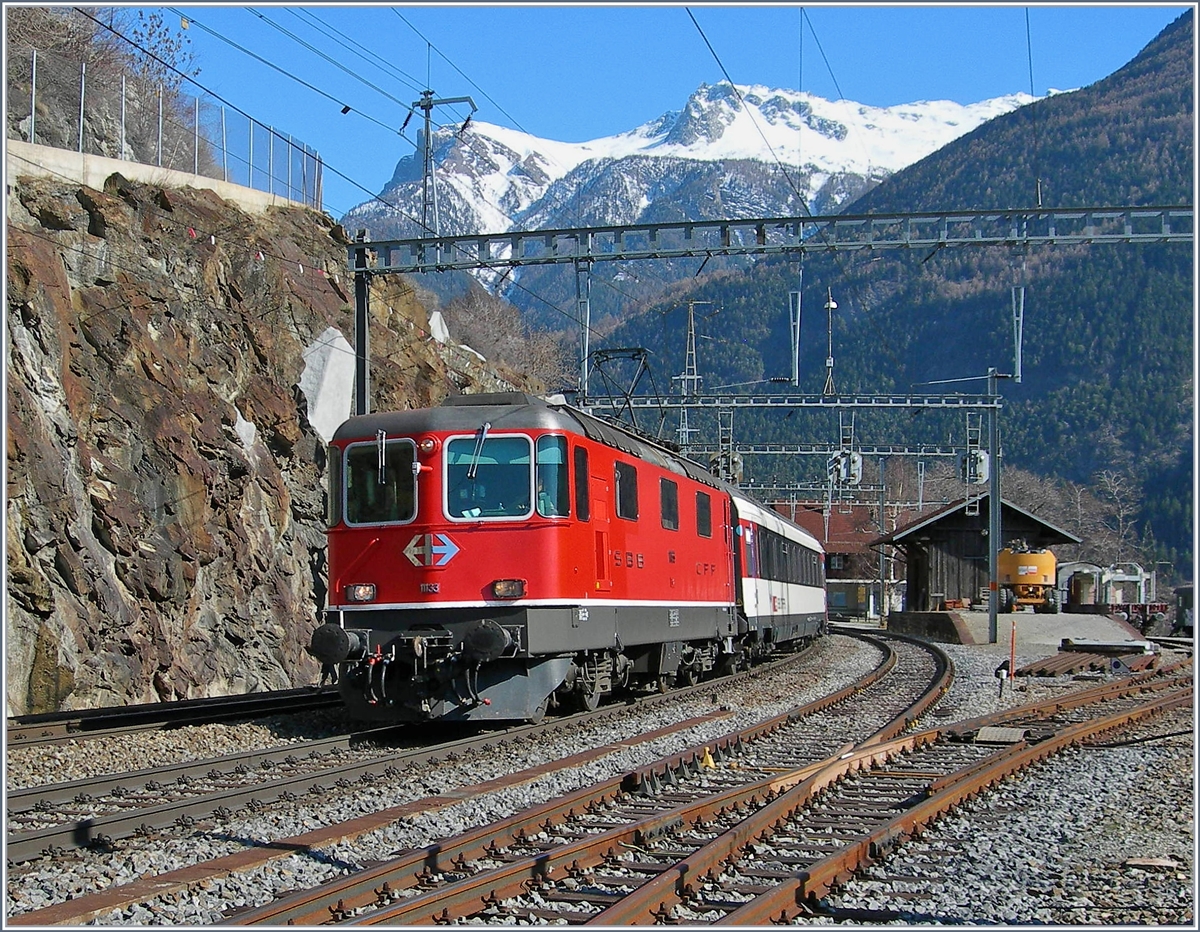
799,129
717,156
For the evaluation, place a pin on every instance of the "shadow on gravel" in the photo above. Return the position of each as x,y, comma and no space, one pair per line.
313,854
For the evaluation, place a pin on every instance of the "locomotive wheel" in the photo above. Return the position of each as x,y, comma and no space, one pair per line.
666,682
689,675
588,699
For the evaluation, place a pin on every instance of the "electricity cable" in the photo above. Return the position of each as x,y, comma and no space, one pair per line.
1033,114
311,87
821,233
337,64
350,45
346,178
270,64
239,110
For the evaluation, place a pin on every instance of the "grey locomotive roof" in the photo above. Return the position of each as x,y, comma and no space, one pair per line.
522,411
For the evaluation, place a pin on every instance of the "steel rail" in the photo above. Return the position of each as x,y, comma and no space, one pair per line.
656,899
650,903
83,909
102,830
797,895
59,727
313,906
464,898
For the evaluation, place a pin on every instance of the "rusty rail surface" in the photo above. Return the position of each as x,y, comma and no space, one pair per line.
420,870
771,801
797,896
59,727
83,909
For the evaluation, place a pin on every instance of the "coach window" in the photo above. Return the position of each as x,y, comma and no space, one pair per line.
489,477
552,495
703,514
583,496
625,476
380,484
668,495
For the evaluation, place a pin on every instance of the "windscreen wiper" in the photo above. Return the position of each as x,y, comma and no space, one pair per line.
483,432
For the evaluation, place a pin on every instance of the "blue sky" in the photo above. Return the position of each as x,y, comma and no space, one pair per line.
578,72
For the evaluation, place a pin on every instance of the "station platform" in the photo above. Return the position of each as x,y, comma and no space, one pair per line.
1031,629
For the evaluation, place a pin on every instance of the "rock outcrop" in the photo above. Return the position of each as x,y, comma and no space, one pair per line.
165,505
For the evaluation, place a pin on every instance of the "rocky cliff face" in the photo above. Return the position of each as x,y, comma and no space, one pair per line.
165,457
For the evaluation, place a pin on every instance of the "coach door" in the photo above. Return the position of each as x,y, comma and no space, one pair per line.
733,563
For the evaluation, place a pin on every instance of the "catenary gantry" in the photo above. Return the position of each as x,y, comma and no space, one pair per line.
782,235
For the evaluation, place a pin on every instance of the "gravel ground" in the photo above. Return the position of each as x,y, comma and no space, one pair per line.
36,765
1055,850
1092,836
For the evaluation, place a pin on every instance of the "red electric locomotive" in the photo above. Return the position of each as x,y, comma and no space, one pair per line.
501,555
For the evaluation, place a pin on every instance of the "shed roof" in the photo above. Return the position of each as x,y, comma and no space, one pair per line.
902,535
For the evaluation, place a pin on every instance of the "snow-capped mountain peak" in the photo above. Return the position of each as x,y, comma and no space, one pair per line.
493,179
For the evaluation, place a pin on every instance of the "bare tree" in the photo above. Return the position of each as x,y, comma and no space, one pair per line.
494,328
1122,494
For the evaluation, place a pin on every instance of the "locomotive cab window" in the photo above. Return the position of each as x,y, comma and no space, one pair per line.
669,500
489,477
380,485
552,496
333,488
625,477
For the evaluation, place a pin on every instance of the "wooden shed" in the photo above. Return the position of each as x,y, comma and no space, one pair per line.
946,552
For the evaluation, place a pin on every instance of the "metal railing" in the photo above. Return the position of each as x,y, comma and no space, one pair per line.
58,102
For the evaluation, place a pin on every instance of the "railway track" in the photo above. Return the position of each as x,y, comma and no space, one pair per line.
245,857
742,841
644,801
97,811
57,727
679,805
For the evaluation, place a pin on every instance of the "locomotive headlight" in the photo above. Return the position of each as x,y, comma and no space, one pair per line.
427,446
508,588
360,592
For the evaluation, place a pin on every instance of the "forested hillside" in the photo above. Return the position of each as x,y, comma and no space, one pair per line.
1108,332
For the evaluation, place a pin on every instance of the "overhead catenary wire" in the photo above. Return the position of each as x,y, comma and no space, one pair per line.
333,61
340,102
357,48
571,205
1033,114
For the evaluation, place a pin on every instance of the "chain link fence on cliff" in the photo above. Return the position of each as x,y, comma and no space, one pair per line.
54,101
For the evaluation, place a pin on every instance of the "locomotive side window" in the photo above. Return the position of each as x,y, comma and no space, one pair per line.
380,484
552,495
668,493
625,476
333,489
583,495
703,514
489,477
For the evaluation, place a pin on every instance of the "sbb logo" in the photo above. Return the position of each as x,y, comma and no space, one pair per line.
430,550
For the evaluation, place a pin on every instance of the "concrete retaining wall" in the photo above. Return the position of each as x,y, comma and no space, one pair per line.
23,158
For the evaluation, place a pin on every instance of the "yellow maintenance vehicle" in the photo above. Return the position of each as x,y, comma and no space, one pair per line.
1027,577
